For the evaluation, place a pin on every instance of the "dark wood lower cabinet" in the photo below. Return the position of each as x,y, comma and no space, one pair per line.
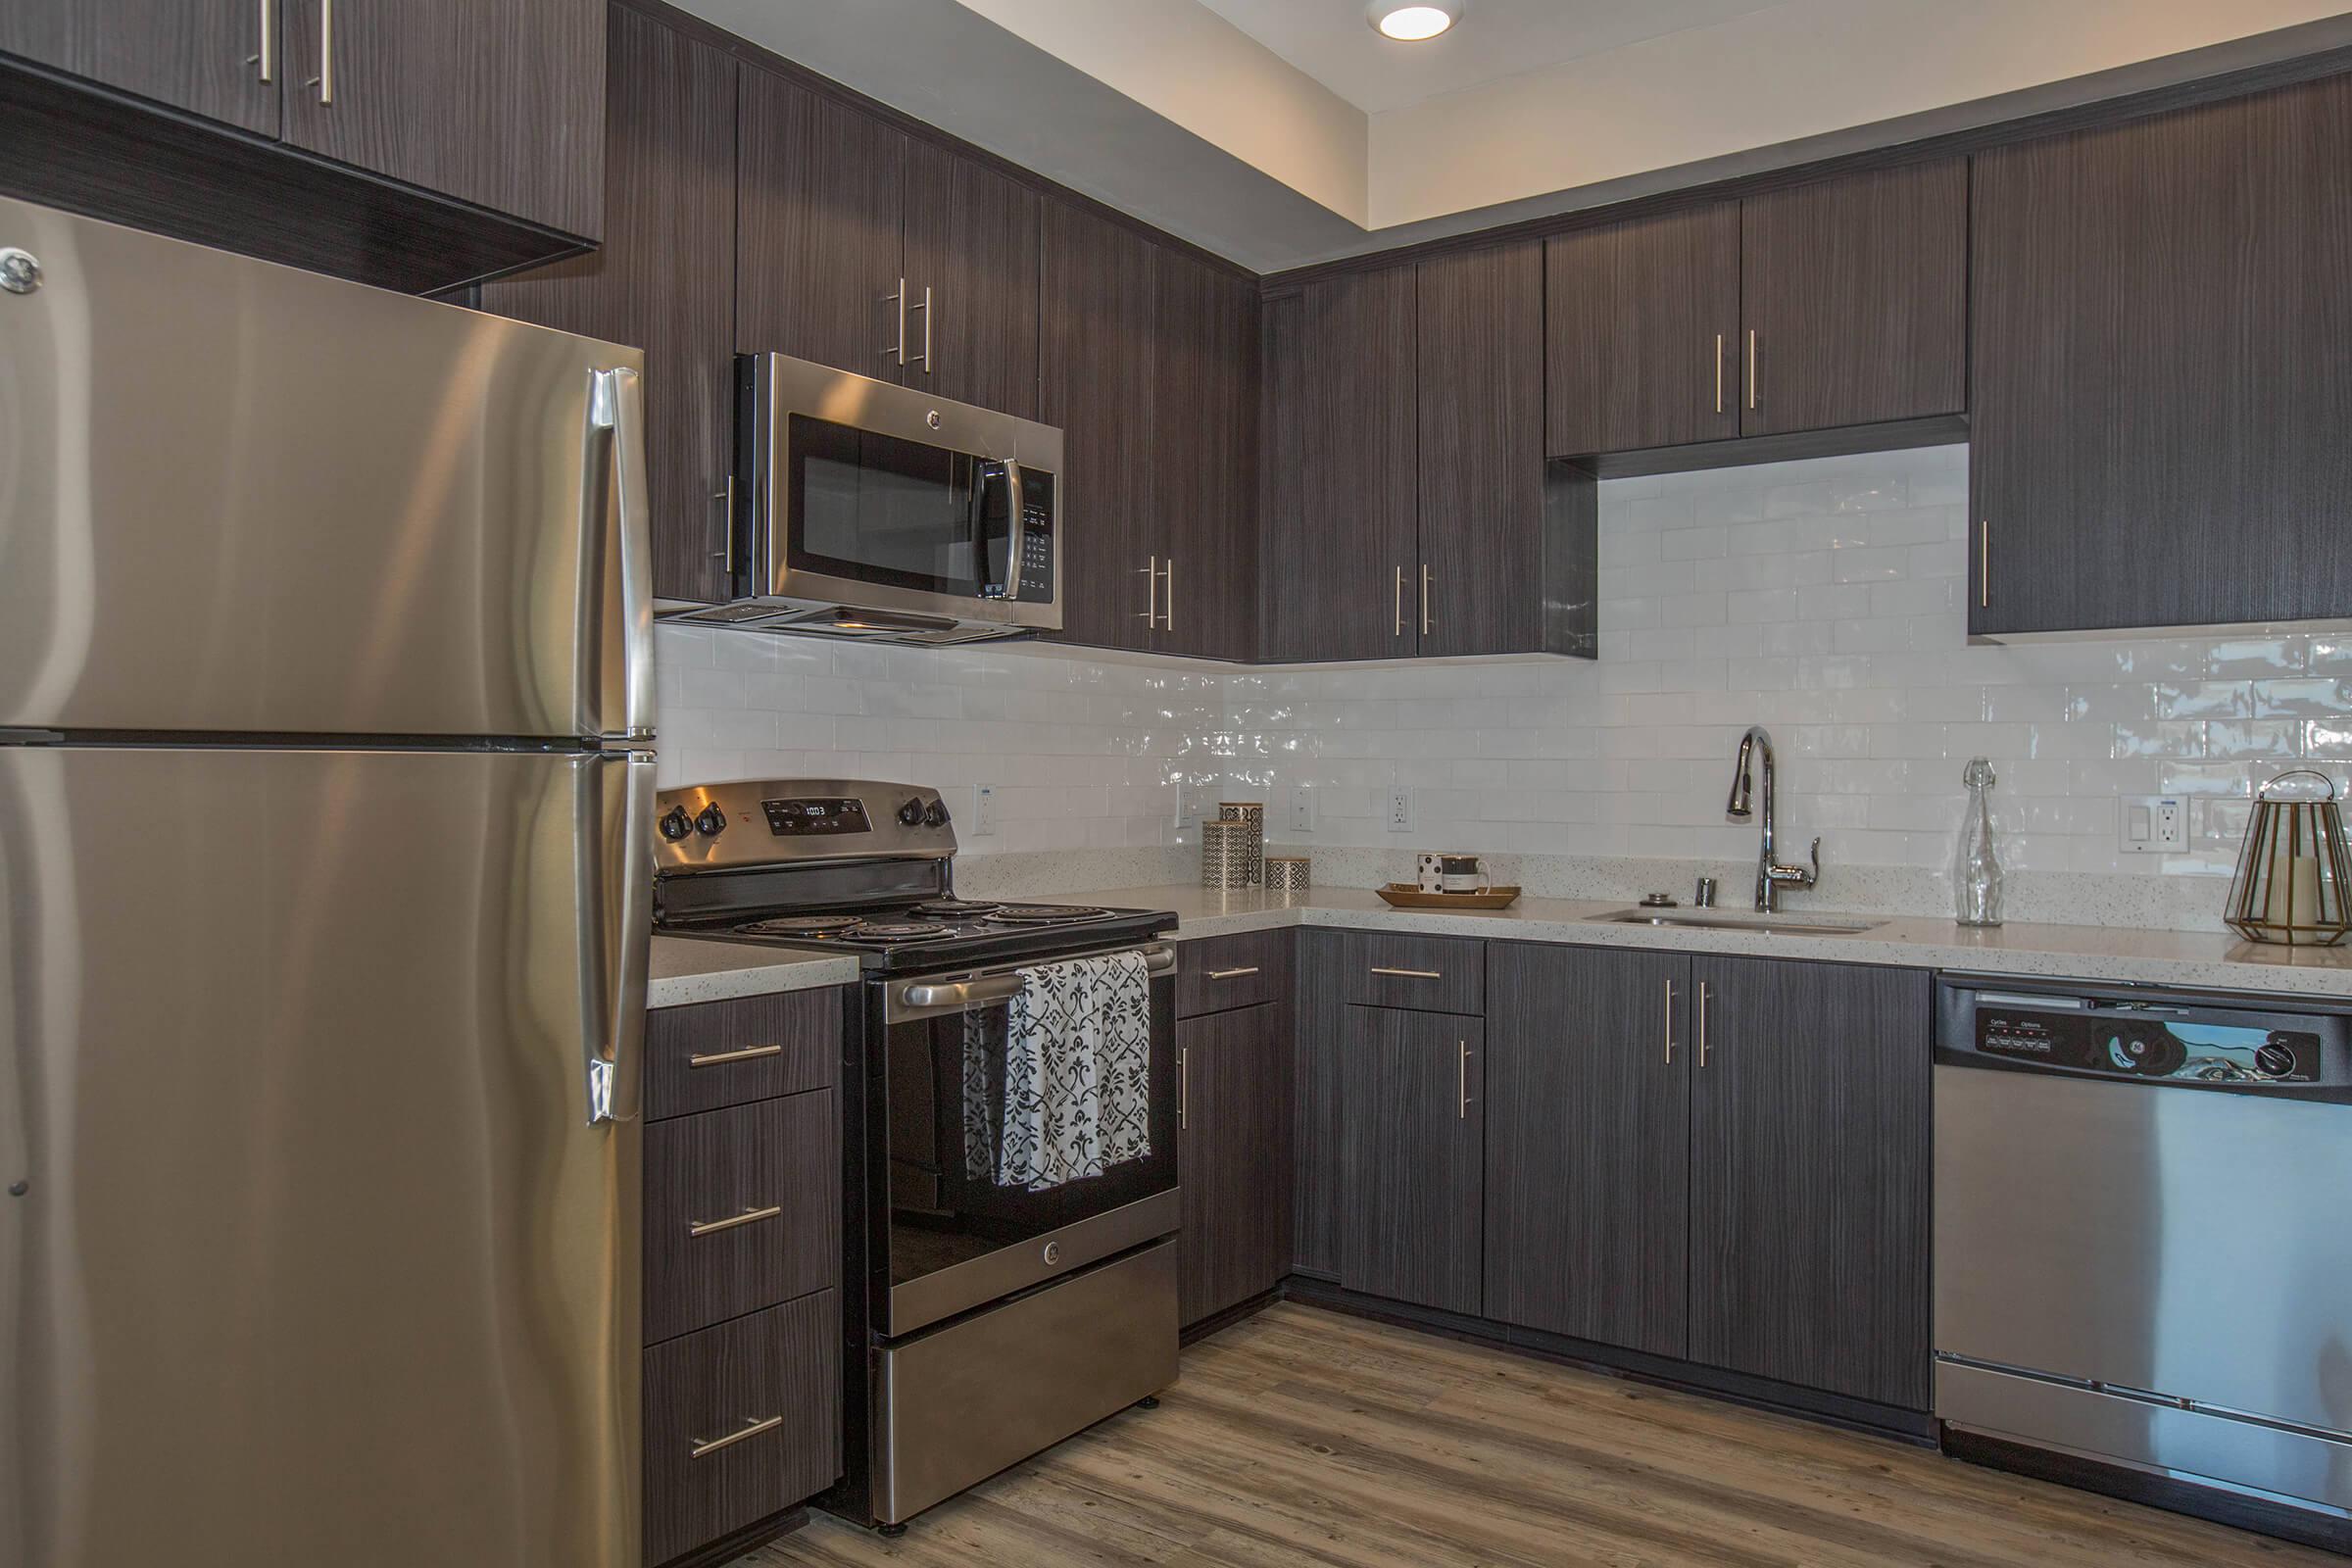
1809,1175
1234,1157
742,1421
1589,1144
1413,1122
1320,1062
742,1209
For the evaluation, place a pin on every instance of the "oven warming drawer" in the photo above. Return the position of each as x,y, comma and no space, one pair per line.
957,1405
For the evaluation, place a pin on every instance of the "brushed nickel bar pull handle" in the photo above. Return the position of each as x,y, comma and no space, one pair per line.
325,81
898,299
266,56
1167,615
925,308
750,1217
1151,594
1427,577
704,1450
1229,974
1399,603
1752,368
1719,373
1409,974
727,555
1984,563
1462,1109
1669,1023
719,1058
1184,1088
1703,1023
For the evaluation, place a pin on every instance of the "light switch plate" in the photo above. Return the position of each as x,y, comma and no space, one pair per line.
984,809
2154,825
1302,810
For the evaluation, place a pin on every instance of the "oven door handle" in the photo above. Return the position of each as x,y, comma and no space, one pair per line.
981,990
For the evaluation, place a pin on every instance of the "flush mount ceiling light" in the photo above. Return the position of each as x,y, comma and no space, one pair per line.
1412,20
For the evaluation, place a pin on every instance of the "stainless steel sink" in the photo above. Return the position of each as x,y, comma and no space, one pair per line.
1732,920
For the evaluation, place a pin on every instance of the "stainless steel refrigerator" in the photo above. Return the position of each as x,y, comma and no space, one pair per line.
325,716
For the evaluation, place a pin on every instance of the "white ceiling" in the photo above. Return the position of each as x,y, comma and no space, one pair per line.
1331,41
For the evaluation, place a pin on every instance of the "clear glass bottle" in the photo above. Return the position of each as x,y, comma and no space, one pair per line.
1977,867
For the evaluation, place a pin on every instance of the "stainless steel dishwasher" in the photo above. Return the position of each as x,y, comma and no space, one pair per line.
2142,1253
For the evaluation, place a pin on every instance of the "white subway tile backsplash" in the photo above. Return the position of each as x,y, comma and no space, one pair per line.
1823,598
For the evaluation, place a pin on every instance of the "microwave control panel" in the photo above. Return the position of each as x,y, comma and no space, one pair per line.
1037,536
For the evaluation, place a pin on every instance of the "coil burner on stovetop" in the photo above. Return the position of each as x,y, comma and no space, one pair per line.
953,908
1044,913
901,931
803,925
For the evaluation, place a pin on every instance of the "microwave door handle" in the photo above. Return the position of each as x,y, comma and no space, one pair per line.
1017,529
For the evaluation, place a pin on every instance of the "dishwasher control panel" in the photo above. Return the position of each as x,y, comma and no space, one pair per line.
2169,1040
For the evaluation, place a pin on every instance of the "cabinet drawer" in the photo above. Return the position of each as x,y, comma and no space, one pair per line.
730,1053
1430,974
742,1211
741,1421
1221,973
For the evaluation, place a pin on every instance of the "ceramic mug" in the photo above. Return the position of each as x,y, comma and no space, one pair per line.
1438,872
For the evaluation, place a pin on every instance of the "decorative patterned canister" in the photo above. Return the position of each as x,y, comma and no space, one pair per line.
1253,813
1285,873
1225,855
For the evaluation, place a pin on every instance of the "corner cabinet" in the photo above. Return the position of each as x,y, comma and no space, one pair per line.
2161,400
1407,508
664,280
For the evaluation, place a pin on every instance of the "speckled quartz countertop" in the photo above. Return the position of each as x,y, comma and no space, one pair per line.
2193,959
687,969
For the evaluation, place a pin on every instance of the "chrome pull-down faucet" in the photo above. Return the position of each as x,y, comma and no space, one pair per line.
1771,877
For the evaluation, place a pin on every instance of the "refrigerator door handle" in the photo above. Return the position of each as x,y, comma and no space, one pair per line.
614,1026
618,406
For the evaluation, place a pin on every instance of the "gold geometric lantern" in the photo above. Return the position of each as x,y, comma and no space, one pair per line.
2294,877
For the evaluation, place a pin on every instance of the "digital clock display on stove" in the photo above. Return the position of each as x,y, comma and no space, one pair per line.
799,818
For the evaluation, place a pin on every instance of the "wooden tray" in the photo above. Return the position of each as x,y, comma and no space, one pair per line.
1405,896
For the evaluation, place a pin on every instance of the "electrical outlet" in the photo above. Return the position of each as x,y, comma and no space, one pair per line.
1189,807
2154,825
1302,811
984,810
1400,811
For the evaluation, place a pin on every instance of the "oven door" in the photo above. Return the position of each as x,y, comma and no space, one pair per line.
958,1237
878,498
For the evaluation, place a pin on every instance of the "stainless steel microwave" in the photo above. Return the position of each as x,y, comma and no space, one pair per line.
863,509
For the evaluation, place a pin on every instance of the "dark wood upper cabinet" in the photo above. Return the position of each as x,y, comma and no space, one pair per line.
820,231
2160,401
1204,459
1854,300
664,281
1340,569
1809,1172
500,103
1235,1156
1642,332
1412,1123
1281,485
972,242
1484,550
1099,386
1589,1144
203,56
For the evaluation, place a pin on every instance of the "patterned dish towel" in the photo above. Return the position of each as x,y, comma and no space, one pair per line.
1076,1099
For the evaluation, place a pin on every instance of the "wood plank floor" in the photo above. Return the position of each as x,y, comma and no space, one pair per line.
1302,1437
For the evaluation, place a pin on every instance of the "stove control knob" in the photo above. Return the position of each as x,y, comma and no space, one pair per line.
912,814
935,814
675,826
2275,1060
712,823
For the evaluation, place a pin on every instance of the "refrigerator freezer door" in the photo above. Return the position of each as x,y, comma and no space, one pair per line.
318,1255
237,497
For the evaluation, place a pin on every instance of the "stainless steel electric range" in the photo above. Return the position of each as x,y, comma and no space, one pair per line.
983,1321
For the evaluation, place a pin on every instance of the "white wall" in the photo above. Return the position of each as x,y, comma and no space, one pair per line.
1821,599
